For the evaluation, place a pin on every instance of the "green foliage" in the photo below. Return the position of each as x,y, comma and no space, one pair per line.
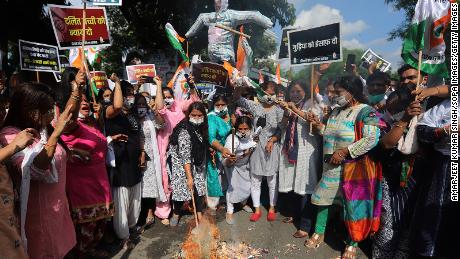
408,6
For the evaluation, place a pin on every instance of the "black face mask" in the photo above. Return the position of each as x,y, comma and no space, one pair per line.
411,86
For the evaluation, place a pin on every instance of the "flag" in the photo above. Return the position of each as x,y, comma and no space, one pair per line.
176,41
75,58
261,78
256,86
179,83
243,55
92,55
426,33
278,75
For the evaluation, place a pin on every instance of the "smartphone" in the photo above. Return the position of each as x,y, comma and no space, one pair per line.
350,60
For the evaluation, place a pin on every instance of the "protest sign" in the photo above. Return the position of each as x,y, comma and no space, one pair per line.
99,78
134,72
370,57
68,26
64,63
315,45
38,57
284,46
107,2
210,73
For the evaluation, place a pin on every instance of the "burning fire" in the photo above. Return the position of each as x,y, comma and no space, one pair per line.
204,242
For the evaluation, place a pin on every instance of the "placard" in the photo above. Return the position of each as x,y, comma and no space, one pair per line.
134,72
68,26
284,45
38,57
99,78
210,73
370,57
107,2
315,45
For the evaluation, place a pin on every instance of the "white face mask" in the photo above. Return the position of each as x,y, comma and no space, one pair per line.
81,116
196,122
129,101
141,112
268,99
107,100
242,135
169,102
341,101
222,111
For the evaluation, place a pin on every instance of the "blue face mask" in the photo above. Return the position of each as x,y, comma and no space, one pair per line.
374,99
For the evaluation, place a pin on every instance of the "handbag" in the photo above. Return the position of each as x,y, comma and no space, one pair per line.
362,192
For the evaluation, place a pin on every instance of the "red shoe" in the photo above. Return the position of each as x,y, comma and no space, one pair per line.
255,216
271,216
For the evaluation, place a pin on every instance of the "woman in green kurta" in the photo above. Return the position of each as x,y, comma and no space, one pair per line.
219,126
339,144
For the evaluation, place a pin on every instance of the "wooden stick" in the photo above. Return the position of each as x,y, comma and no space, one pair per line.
287,108
311,92
232,30
84,64
194,207
419,68
187,48
38,76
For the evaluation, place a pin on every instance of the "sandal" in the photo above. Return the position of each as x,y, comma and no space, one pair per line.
314,241
288,220
300,234
350,253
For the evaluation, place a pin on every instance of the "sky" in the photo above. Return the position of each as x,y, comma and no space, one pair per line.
364,23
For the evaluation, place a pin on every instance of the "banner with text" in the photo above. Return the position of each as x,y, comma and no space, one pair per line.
38,57
210,73
315,45
136,71
107,2
99,78
67,24
370,57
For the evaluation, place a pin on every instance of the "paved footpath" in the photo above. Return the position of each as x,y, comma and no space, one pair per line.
275,238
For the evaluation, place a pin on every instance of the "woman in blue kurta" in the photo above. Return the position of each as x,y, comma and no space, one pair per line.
219,125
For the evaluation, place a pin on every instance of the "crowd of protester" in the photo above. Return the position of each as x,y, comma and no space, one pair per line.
76,167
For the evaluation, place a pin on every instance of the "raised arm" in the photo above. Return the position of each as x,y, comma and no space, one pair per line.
202,19
114,109
242,17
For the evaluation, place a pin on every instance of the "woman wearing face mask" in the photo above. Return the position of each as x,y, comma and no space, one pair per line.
300,160
152,181
396,151
172,110
237,166
45,217
340,145
88,187
126,175
265,159
219,126
187,152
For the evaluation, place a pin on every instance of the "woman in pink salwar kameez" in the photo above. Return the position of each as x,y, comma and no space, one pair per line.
46,227
172,111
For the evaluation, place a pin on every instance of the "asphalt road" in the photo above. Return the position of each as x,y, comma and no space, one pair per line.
274,238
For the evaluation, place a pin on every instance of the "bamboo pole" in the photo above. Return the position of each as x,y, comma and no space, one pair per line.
287,108
233,140
232,30
84,64
38,76
419,68
194,207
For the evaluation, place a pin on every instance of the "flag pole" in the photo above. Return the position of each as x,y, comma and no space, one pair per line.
311,93
38,76
84,64
419,68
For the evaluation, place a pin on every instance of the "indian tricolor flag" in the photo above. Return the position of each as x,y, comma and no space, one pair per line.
278,74
426,33
176,41
76,58
243,55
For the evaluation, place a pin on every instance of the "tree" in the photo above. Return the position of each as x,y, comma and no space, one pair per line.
408,6
140,24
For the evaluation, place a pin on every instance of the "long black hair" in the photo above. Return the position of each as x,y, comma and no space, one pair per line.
27,98
199,148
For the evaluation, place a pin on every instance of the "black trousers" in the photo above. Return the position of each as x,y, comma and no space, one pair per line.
298,207
146,204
